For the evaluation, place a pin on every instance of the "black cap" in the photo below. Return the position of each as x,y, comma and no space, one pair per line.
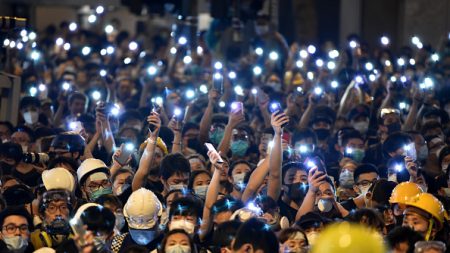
311,219
358,111
16,211
18,195
69,141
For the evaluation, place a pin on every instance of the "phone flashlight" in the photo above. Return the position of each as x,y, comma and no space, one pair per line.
152,70
257,70
273,56
238,90
259,51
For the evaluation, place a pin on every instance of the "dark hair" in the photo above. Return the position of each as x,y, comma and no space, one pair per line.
188,126
11,150
224,235
348,135
8,125
26,130
370,217
194,174
109,199
381,191
364,168
330,181
176,231
27,101
430,125
186,206
291,165
234,164
19,211
63,160
174,164
287,233
302,134
98,219
395,141
129,115
77,95
403,234
121,171
256,233
227,203
135,249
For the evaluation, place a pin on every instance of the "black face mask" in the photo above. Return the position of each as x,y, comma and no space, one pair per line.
58,226
156,186
6,168
194,144
394,127
297,191
322,134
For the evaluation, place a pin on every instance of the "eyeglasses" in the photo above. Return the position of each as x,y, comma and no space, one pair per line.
11,228
52,209
94,187
366,182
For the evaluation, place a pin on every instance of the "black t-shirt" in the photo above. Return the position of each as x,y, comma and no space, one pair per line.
31,178
349,205
287,210
128,241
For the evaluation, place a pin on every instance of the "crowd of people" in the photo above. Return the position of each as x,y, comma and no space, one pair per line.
314,149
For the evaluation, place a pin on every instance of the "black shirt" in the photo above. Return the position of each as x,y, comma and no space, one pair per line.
287,210
349,205
128,241
30,179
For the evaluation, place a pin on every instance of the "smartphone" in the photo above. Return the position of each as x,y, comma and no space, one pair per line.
276,108
315,162
210,147
126,150
218,82
78,229
76,126
155,108
237,106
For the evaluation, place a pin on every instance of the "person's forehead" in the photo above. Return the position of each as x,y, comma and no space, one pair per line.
178,237
367,176
295,171
202,176
355,141
123,175
325,186
179,175
15,219
20,134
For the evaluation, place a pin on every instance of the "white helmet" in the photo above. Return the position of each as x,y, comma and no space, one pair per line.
142,209
82,208
58,178
89,167
44,250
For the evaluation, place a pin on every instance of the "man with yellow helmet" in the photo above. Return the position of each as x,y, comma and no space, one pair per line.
425,214
400,195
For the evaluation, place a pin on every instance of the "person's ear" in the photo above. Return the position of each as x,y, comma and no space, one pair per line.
246,248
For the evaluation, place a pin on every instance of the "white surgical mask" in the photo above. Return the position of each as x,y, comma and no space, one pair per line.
364,189
177,187
361,126
15,242
238,178
30,117
392,177
447,192
178,248
120,221
312,236
261,29
444,167
201,190
324,205
187,226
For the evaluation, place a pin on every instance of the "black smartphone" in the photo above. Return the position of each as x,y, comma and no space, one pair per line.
276,108
218,82
315,161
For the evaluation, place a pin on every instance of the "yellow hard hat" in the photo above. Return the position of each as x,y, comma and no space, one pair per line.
403,192
346,237
429,204
159,143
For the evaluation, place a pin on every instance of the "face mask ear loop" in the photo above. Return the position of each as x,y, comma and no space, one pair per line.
430,227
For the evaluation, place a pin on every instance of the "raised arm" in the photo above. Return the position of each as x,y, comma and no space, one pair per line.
147,157
177,144
276,156
233,120
205,123
413,112
304,120
315,178
255,181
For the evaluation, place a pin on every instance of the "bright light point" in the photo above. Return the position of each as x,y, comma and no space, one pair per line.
110,50
232,75
435,57
32,36
33,91
222,104
428,82
33,45
92,18
415,40
318,90
218,65
398,167
384,40
259,51
173,50
25,39
203,89
199,50
103,52
372,77
86,50
234,106
59,41
127,60
331,65
103,72
334,84
303,54
254,91
35,55
129,146
273,56
393,79
182,40
299,89
412,62
187,59
115,110
359,79
152,70
402,105
217,76
303,149
159,101
190,94
12,44
19,45
66,46
369,66
6,42
349,150
403,79
387,63
401,62
42,87
311,164
319,63
23,33
238,90
96,95
177,112
100,9
353,44
310,75
270,144
311,49
142,54
333,54
73,125
257,70
299,64
109,29
66,86
72,27
133,46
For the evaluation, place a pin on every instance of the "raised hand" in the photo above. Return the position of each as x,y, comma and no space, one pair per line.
278,120
315,179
